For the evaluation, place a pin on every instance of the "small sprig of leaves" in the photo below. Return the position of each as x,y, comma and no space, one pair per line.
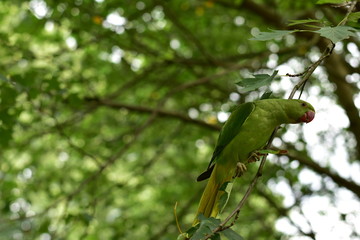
305,22
338,33
205,230
272,35
333,33
259,80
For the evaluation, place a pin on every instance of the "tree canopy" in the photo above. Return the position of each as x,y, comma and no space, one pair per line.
109,110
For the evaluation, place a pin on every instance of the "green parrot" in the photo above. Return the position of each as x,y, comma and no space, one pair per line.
248,129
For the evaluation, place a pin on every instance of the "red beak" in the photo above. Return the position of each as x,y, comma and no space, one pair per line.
307,117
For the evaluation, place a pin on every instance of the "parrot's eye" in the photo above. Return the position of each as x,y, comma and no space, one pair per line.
303,104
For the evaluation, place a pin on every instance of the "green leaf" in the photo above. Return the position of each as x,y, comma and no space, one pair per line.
231,235
213,222
207,225
190,232
336,34
354,17
226,187
274,34
266,95
182,236
330,1
201,232
259,80
216,236
303,21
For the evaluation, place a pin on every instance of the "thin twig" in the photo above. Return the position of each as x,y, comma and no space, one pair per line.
176,219
311,69
327,52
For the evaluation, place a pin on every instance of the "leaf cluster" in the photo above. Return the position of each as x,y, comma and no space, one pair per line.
334,34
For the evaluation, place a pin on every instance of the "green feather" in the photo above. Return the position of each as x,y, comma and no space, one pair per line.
232,127
227,134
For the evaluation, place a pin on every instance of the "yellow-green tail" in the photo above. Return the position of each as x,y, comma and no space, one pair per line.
213,194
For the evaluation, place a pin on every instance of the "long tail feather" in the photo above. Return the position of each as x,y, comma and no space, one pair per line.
209,202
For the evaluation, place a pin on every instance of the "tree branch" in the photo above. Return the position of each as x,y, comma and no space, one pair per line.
263,10
345,94
160,112
305,160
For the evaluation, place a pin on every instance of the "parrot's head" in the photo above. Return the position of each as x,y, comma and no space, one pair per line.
302,112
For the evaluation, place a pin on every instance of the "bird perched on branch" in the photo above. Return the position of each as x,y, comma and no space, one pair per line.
247,130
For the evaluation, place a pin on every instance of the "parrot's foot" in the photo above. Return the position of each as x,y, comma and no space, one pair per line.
240,169
255,156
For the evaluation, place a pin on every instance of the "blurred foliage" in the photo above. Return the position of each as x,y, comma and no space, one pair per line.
110,109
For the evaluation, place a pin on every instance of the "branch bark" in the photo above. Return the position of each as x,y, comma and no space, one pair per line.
147,110
305,160
345,93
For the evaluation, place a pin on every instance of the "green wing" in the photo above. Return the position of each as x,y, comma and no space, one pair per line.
227,134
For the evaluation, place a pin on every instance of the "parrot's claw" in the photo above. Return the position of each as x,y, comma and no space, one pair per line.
240,169
254,157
